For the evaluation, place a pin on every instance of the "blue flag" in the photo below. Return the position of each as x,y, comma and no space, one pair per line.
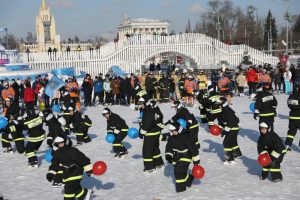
53,85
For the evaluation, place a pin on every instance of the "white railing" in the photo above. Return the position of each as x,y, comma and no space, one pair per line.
131,54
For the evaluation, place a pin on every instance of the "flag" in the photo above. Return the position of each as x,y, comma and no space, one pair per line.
53,85
283,58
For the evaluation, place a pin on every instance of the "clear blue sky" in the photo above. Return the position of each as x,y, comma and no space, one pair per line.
90,18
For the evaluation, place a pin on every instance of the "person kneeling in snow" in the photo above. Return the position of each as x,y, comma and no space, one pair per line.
181,151
269,142
80,125
74,163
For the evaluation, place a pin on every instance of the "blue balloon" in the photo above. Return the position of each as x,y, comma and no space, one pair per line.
252,107
56,108
48,156
110,138
133,133
3,122
182,122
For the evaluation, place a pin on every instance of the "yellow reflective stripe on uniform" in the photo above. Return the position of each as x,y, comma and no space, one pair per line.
67,114
290,136
12,129
214,98
19,139
235,128
215,111
34,122
152,134
80,194
266,114
60,172
36,139
211,123
79,134
196,158
236,147
73,178
4,140
87,124
87,167
157,156
117,145
124,129
265,169
31,154
185,159
227,149
182,180
297,118
161,125
275,154
197,142
148,159
202,116
274,170
194,126
69,195
283,151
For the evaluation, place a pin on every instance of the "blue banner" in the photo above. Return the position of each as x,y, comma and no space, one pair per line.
16,67
117,71
53,85
63,71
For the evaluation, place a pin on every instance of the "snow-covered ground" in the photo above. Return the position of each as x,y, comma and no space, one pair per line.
125,179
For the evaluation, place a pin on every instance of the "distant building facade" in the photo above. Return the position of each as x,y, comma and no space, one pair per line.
141,26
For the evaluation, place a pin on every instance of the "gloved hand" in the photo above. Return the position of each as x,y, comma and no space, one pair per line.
50,142
255,116
141,136
227,129
168,122
116,131
169,158
196,162
71,126
200,106
89,173
50,177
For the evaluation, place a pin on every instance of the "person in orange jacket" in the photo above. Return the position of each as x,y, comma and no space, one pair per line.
190,86
264,79
224,87
7,93
73,88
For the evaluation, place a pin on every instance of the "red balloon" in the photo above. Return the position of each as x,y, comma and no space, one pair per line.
215,130
264,159
99,168
198,172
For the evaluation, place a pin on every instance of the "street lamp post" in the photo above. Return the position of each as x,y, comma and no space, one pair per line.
288,19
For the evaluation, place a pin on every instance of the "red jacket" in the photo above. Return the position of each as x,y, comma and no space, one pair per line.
28,95
252,76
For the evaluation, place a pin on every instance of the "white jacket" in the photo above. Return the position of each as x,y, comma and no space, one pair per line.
287,76
106,86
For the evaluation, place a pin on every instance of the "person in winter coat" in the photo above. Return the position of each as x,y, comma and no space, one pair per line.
7,93
87,91
287,81
115,90
172,93
202,82
181,152
277,80
251,77
80,125
73,89
175,77
241,82
98,90
16,88
265,107
73,163
107,89
150,84
164,88
224,84
118,127
294,117
269,142
29,99
126,90
190,88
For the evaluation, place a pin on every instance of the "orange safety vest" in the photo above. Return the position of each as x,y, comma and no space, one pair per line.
70,86
8,93
190,86
223,84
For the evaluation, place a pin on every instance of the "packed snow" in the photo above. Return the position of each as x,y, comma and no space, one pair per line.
124,178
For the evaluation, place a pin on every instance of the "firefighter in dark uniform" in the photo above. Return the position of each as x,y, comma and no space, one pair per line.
294,116
181,86
80,125
265,107
150,131
12,112
192,123
36,135
213,110
181,153
269,142
67,115
137,94
118,127
74,163
230,123
202,99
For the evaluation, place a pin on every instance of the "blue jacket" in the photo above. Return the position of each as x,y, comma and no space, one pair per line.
98,86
